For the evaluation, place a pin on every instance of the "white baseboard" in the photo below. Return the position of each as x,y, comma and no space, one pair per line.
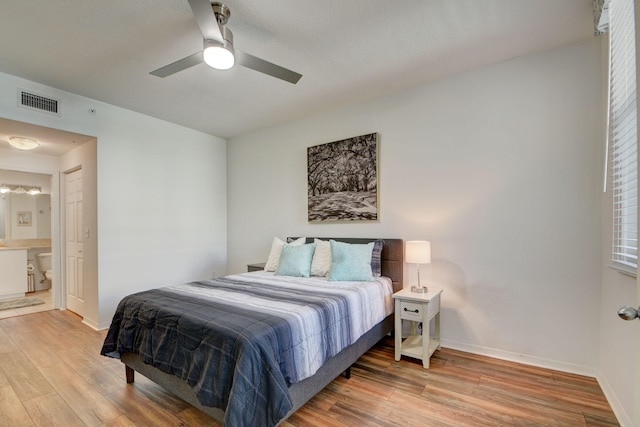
522,358
623,418
90,323
96,325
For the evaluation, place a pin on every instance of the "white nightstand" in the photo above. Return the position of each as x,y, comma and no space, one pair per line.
417,307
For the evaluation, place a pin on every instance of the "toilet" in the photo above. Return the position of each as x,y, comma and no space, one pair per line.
44,264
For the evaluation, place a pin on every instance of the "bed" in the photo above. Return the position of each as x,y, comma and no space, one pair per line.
231,391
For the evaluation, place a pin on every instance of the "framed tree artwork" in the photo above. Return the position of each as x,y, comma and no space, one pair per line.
342,180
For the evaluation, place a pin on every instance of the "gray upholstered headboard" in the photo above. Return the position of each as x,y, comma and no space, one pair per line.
392,256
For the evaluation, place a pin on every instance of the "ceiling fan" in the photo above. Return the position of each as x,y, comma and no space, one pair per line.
218,51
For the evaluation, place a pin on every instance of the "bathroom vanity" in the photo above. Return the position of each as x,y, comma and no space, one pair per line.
13,280
14,258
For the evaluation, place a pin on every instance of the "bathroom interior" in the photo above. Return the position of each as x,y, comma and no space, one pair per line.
25,243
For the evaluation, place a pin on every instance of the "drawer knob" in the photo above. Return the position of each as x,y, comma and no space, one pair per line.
413,311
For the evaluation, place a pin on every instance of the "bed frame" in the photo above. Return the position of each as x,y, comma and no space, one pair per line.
301,392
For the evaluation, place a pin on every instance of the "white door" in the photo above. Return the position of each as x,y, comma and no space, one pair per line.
73,242
636,400
632,313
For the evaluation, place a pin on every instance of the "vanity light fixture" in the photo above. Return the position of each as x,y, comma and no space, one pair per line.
20,190
23,143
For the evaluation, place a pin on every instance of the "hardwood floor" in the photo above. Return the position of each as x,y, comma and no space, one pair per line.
51,374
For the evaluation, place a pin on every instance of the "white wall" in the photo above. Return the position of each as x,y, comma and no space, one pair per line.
161,193
161,206
499,167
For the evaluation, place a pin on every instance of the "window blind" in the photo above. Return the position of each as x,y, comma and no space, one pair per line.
623,134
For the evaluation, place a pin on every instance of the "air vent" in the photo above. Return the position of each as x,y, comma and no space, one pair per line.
37,102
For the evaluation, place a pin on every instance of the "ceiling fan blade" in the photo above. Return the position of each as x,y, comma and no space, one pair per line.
267,67
179,65
206,20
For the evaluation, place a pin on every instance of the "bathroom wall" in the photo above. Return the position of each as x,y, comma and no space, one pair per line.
26,179
43,216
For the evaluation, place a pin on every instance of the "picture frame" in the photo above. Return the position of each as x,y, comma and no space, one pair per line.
24,218
342,180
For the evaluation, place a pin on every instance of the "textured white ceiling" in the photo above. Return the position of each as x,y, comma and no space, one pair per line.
347,51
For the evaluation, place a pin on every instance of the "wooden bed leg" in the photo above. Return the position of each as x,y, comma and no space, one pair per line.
347,373
130,373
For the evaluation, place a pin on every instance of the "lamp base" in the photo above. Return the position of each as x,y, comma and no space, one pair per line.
419,289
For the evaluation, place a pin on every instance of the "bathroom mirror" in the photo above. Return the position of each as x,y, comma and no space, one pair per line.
25,216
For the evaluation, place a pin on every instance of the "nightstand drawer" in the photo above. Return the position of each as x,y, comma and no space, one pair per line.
256,267
411,310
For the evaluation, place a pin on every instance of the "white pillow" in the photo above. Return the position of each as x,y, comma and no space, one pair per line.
276,250
321,263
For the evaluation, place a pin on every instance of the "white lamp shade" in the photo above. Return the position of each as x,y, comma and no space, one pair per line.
417,252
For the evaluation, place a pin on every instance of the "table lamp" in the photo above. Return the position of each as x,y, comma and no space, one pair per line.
418,252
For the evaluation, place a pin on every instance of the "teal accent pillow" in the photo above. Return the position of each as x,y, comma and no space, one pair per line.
350,262
296,260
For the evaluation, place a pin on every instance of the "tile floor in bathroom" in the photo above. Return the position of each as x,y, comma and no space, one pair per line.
43,295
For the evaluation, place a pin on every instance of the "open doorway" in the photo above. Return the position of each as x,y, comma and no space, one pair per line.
25,241
58,153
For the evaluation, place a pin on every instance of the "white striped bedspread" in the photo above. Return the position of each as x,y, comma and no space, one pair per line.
368,303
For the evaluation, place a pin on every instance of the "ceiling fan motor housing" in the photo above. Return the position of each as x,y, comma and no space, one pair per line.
222,12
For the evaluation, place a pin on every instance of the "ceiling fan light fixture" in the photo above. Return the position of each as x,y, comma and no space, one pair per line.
217,55
23,143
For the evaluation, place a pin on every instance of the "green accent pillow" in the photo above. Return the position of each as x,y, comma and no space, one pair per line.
350,262
296,260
